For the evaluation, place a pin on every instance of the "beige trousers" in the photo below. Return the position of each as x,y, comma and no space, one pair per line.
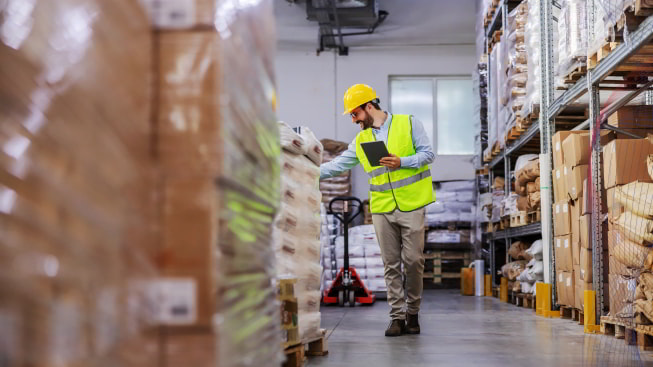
401,237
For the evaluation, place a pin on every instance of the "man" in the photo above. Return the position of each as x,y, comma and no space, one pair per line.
399,191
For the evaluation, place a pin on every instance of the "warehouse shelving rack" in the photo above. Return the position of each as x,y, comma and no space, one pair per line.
550,108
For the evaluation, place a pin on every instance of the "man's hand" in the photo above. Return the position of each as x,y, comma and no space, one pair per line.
391,162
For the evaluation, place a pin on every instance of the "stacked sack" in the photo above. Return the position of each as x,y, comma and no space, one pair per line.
338,185
534,271
511,271
643,304
527,182
297,226
364,256
513,92
498,194
455,204
629,194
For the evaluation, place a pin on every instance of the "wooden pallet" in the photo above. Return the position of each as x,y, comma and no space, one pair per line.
534,217
483,171
294,356
645,337
495,292
492,227
572,313
514,133
600,54
620,329
641,9
525,300
575,74
519,219
504,223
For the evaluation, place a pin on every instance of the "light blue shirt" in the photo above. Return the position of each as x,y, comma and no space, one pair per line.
348,159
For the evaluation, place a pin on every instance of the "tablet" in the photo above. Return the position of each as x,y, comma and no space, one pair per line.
374,151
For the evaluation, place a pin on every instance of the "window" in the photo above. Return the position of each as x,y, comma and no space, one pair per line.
443,104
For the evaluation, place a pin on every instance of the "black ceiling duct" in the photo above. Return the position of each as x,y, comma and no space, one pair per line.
334,15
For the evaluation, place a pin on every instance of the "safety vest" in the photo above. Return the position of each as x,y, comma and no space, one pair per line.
407,189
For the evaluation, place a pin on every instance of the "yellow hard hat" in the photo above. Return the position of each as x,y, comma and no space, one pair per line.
356,95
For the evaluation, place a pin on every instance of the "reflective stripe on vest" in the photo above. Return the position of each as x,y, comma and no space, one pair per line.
401,183
401,188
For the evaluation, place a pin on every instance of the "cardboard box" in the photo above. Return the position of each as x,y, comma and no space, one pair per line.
565,288
186,259
558,139
188,114
559,184
584,228
633,119
562,218
575,231
586,265
576,177
576,150
197,349
563,253
624,161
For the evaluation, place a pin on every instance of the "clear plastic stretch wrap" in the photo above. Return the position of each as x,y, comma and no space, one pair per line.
572,39
297,230
493,102
77,240
515,64
533,48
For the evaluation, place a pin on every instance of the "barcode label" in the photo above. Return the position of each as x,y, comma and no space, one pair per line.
566,243
171,14
176,300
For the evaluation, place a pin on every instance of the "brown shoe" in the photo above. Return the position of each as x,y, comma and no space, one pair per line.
412,324
396,328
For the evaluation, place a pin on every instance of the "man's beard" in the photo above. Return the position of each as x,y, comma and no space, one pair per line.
367,122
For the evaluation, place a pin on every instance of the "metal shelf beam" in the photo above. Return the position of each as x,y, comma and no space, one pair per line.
527,230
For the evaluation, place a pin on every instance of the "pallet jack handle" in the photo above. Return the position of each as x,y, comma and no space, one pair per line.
346,218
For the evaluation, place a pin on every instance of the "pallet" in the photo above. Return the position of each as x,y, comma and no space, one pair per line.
504,223
483,171
573,314
645,337
641,10
318,347
600,54
575,74
534,217
495,292
492,227
294,356
525,300
518,219
514,133
619,328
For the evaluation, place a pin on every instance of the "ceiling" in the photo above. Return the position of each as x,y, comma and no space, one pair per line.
411,22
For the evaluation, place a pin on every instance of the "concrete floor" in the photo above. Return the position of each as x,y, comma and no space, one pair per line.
467,331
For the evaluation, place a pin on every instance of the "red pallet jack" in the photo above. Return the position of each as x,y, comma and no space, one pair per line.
347,287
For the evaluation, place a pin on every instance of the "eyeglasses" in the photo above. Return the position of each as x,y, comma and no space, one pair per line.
354,114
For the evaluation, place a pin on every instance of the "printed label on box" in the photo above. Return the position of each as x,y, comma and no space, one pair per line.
174,14
557,146
569,282
566,243
560,277
582,273
557,173
565,170
565,208
176,300
557,208
558,243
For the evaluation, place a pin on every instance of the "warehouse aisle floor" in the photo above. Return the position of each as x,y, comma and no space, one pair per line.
467,331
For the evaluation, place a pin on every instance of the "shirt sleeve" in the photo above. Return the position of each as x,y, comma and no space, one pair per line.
344,162
423,151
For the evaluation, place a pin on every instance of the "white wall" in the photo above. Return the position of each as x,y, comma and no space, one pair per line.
310,90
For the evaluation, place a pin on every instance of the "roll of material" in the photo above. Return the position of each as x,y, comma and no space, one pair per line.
479,278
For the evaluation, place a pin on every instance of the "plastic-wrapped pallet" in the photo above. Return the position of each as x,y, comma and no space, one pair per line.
77,209
515,63
572,40
493,101
298,226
